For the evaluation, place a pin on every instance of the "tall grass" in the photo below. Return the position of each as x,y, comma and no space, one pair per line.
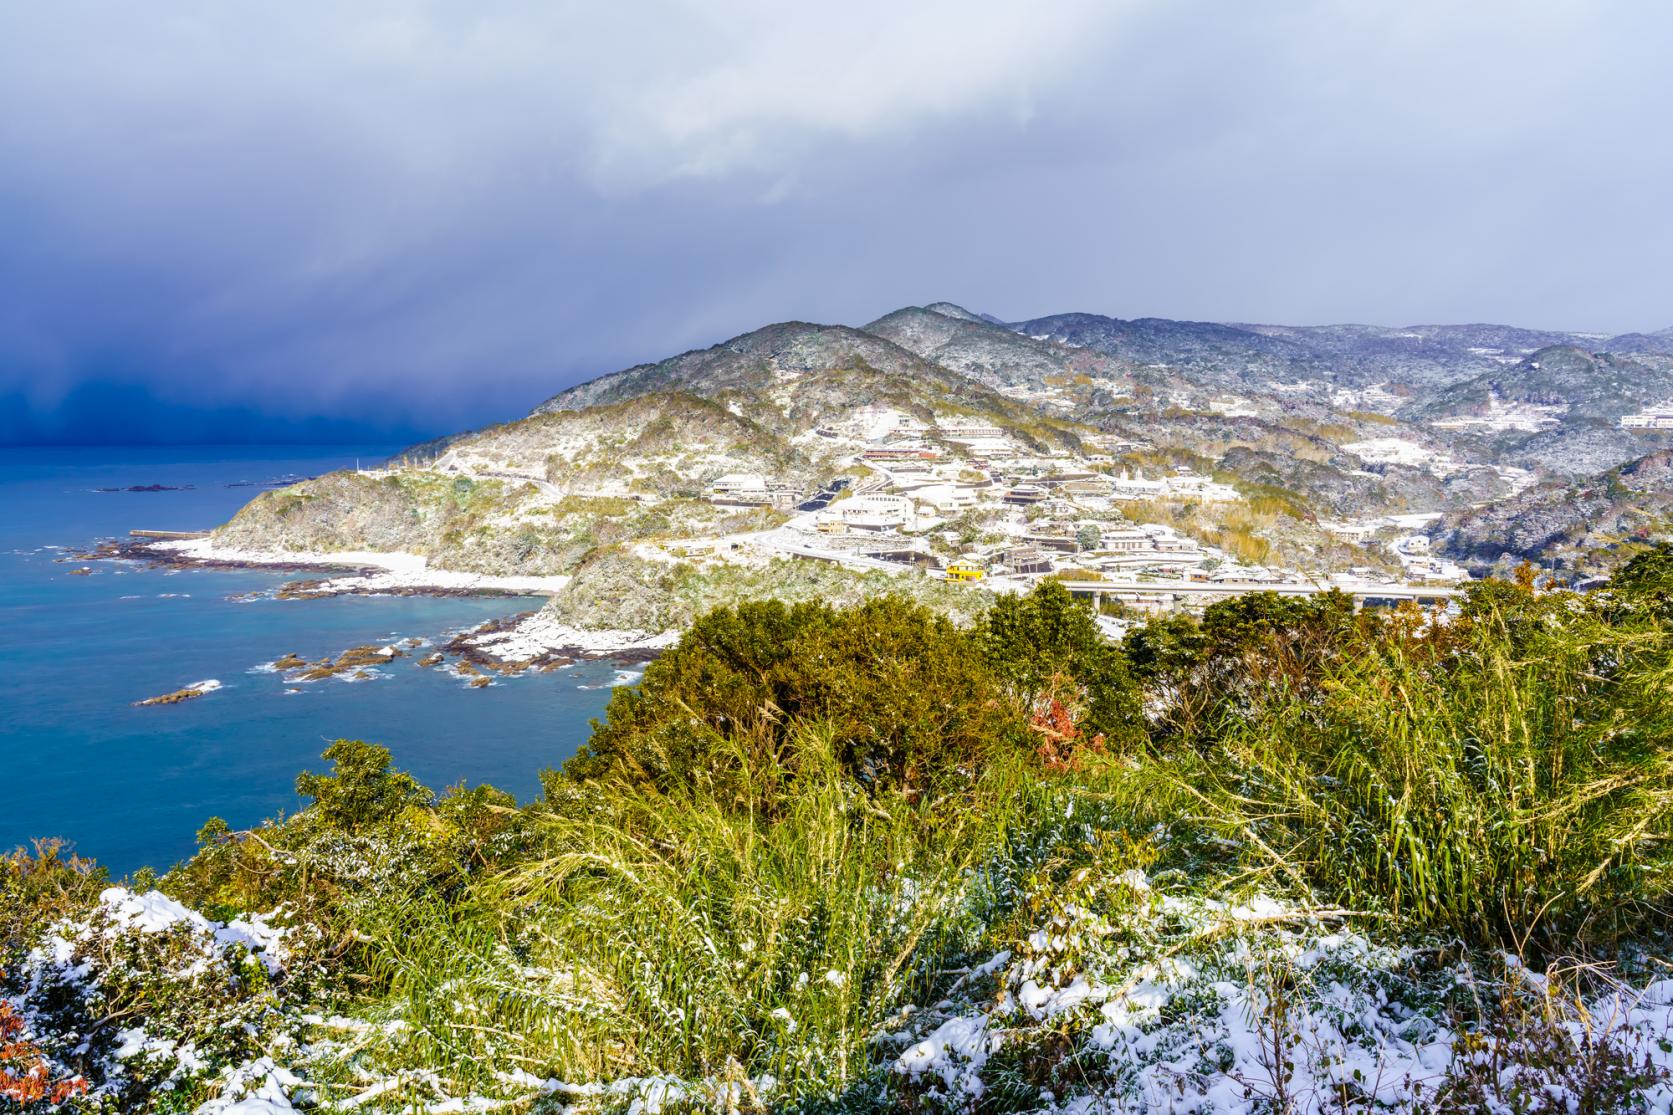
711,937
1507,780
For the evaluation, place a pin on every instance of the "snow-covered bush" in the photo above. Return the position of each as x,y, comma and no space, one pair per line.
141,996
1170,1002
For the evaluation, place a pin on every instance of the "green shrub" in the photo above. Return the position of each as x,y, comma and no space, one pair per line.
362,791
1644,586
1505,776
38,888
1256,644
906,695
147,1002
1032,642
696,932
373,839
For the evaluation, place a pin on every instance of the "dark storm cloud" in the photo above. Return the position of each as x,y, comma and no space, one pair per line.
379,219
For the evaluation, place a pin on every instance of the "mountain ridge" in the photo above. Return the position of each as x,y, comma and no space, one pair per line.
1307,425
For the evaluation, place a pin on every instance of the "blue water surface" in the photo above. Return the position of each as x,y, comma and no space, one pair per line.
130,786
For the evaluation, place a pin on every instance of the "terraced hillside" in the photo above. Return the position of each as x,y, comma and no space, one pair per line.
1489,425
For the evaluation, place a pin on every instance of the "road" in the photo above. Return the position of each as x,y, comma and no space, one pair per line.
1359,590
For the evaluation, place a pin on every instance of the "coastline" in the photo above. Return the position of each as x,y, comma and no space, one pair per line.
534,639
366,571
512,644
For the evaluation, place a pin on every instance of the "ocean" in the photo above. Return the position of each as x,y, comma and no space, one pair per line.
130,786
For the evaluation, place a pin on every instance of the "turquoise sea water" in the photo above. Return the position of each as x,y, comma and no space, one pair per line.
131,785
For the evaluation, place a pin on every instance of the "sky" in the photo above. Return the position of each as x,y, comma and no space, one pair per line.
227,220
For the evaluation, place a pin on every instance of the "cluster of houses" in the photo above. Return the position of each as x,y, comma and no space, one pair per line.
966,501
924,485
1659,417
1418,563
1500,415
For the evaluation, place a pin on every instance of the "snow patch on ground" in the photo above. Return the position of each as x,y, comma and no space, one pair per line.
955,1054
396,570
1181,1003
155,912
540,634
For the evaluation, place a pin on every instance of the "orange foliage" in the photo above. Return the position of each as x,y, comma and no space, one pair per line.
1055,719
25,1076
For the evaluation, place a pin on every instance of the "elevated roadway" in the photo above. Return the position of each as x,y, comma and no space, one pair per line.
1171,594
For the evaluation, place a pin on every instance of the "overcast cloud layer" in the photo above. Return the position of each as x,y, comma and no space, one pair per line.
223,219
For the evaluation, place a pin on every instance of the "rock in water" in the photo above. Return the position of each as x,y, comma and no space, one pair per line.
196,689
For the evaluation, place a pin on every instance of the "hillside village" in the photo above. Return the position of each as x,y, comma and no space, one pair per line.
966,502
1149,466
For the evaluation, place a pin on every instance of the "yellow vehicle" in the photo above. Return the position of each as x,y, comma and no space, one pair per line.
965,571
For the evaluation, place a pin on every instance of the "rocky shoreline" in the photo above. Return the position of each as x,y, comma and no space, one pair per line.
350,578
469,647
509,645
156,552
460,656
319,588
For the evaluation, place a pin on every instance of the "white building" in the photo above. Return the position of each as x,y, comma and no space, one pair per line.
1659,417
1360,532
1146,547
743,486
1186,485
1137,487
1201,487
1110,443
873,512
945,498
969,431
1125,541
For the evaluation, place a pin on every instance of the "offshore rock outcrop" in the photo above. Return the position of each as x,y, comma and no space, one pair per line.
184,693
